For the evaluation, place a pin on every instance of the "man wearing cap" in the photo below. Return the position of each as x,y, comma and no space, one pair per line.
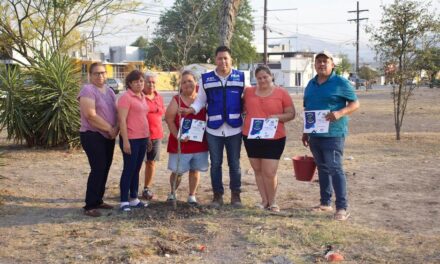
328,91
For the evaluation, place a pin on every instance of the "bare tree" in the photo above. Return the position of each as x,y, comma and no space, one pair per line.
404,25
179,32
228,14
38,27
190,30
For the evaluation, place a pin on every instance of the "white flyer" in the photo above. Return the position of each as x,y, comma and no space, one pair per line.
193,129
263,128
315,122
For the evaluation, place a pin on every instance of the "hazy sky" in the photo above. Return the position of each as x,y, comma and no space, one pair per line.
324,19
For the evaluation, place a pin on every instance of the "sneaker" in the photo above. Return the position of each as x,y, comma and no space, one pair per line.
236,200
217,201
171,197
139,205
147,194
125,208
192,200
260,206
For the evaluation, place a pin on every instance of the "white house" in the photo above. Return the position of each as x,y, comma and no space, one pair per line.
124,54
16,58
291,69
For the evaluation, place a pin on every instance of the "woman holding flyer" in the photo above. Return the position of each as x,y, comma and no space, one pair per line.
266,107
193,156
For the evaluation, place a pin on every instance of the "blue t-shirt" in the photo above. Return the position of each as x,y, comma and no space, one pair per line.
333,95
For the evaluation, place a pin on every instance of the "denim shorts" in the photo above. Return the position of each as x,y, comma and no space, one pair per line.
154,154
191,161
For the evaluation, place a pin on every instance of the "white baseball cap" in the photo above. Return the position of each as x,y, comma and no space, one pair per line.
324,53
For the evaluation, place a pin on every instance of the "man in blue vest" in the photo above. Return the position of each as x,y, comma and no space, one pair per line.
328,91
220,92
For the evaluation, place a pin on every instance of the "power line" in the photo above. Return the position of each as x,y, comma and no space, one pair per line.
265,27
357,19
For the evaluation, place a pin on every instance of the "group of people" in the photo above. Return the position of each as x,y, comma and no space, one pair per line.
230,111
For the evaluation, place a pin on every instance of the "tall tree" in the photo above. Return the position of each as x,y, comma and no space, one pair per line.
428,60
404,25
344,66
185,37
228,13
178,32
140,42
41,27
368,74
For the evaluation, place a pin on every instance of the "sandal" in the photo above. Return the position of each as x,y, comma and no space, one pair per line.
274,208
322,208
341,215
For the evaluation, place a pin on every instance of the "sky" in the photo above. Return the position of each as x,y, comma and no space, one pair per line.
323,19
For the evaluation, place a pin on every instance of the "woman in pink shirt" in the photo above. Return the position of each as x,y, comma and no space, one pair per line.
97,133
132,115
266,101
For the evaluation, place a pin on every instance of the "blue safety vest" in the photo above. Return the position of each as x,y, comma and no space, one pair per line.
224,102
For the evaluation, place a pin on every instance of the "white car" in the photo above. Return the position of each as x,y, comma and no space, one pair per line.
116,85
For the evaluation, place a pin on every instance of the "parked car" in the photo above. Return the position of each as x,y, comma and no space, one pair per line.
116,85
360,82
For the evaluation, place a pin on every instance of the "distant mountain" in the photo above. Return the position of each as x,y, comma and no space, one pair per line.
302,42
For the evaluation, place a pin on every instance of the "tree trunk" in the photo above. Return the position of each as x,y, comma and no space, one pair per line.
228,13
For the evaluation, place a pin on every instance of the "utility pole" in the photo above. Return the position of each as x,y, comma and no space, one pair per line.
265,33
357,19
265,28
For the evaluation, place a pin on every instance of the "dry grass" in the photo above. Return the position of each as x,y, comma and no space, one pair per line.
393,191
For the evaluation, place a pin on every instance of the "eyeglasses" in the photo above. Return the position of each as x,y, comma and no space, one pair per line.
99,73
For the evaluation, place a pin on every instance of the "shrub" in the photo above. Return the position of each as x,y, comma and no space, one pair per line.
56,84
14,109
40,106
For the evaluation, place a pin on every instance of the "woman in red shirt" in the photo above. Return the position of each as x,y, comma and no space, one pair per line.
193,156
156,110
266,101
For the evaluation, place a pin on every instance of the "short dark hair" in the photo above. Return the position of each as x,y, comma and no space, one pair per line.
264,68
188,72
133,76
223,49
95,64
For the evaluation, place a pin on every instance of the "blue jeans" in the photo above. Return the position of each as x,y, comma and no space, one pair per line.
99,152
233,147
328,152
129,183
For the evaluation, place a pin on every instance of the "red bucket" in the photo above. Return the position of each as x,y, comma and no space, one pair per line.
304,167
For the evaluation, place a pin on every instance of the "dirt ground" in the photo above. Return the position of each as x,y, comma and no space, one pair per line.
393,189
